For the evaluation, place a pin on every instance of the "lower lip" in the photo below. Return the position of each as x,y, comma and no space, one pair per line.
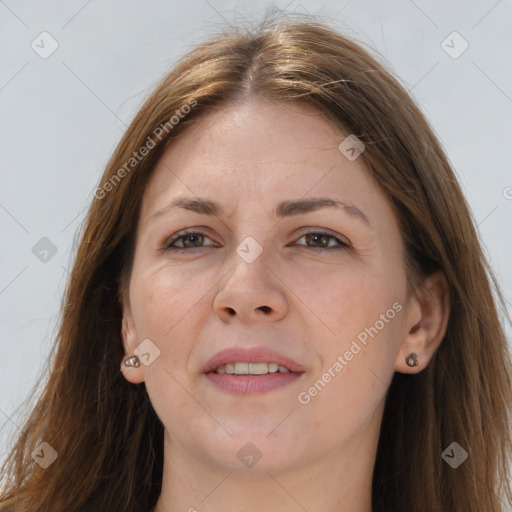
252,384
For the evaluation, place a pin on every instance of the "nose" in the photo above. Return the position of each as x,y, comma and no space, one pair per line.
252,292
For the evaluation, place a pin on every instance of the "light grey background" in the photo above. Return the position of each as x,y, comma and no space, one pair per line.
62,116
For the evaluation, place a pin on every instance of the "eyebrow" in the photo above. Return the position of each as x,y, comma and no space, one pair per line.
284,208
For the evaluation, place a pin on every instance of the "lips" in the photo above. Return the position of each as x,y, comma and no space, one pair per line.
251,355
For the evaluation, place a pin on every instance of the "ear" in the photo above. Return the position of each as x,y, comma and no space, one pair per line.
428,310
130,342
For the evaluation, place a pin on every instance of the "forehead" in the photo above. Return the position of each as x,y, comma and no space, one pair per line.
260,152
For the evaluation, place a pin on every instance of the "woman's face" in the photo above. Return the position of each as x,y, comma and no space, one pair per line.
263,270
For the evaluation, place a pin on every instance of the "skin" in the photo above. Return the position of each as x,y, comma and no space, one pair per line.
314,456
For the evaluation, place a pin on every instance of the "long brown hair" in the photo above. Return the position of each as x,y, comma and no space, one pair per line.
107,436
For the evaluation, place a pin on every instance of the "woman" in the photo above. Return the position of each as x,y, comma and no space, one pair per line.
279,301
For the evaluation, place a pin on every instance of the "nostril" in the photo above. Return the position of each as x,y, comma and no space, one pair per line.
266,309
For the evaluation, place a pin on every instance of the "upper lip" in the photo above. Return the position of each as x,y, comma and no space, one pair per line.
250,355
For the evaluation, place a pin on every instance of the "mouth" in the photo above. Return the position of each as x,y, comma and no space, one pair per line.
244,368
244,371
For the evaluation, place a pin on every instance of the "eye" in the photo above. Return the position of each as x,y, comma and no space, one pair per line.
322,239
187,240
195,239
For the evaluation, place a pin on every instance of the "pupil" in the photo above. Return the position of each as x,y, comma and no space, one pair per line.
187,239
321,236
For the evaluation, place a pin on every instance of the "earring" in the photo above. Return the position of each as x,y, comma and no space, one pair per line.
412,360
132,362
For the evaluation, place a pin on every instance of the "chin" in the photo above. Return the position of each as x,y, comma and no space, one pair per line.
258,453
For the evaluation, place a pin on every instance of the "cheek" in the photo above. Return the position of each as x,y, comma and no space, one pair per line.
168,307
345,301
346,393
166,299
363,312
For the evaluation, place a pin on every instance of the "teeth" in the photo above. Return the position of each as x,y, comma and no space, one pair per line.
243,368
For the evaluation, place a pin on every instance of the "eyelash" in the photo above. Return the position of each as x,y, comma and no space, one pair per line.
168,245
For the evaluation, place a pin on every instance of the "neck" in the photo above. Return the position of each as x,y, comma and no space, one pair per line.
342,482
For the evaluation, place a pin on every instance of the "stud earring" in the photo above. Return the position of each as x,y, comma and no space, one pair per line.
133,362
412,360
